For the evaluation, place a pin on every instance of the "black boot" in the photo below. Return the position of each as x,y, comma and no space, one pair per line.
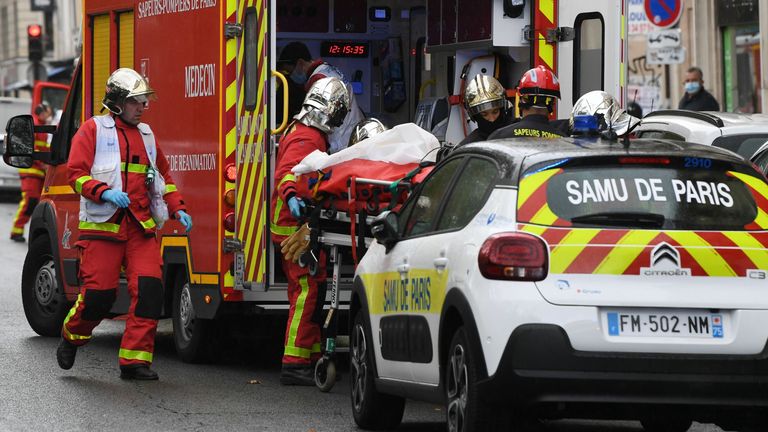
65,354
138,372
297,375
19,238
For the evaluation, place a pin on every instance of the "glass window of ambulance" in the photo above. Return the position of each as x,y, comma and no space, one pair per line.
760,158
450,197
744,144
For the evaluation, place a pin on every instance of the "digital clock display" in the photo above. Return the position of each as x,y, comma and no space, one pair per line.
344,49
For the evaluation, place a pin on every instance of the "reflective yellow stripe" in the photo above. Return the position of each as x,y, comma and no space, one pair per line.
72,336
761,188
32,171
42,145
544,216
750,246
96,226
282,230
135,355
148,224
531,183
80,182
16,230
302,352
625,252
170,188
298,311
570,248
279,207
288,177
134,168
704,254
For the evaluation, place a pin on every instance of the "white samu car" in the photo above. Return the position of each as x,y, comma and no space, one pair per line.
569,278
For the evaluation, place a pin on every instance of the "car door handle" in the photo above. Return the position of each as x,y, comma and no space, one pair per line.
440,263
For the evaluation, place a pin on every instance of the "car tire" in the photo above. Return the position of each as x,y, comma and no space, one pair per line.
45,305
666,424
465,411
193,338
372,410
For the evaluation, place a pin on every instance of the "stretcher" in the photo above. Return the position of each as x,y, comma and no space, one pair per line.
345,192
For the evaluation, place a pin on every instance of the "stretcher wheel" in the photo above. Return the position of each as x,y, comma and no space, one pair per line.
325,374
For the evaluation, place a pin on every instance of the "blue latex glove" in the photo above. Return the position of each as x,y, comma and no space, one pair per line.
185,219
296,205
116,197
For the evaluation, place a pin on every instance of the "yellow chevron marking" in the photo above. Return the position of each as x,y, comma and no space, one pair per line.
707,256
547,53
751,247
569,248
626,251
759,185
231,141
534,229
231,95
256,225
544,216
231,7
229,280
231,50
531,184
547,7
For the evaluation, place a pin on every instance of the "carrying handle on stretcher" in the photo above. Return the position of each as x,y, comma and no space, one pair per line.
282,127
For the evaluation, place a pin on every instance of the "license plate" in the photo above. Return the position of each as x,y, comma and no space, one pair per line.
701,324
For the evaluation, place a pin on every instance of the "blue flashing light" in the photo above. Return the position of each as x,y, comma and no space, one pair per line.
585,123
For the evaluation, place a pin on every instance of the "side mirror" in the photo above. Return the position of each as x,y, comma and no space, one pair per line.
384,229
19,141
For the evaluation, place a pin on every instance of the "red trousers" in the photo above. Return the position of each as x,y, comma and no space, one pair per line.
31,187
306,295
100,262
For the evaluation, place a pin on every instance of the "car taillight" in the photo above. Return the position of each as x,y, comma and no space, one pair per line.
513,256
230,172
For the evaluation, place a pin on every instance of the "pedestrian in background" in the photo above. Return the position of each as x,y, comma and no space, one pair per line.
696,97
296,60
113,164
32,178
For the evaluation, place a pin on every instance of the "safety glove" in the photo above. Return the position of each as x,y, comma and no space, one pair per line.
297,206
185,219
116,197
295,245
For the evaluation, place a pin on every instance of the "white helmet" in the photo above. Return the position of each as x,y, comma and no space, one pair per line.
607,111
125,83
365,128
326,105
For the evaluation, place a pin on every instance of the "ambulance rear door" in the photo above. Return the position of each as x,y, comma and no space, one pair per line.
592,56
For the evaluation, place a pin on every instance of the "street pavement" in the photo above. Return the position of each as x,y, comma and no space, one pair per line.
240,392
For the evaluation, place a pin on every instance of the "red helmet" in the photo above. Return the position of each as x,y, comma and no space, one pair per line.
538,87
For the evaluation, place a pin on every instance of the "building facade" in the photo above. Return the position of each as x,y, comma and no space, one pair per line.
61,24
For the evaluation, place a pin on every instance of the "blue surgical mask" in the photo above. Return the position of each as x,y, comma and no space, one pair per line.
692,87
298,76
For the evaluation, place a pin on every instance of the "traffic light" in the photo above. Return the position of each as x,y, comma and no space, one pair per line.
35,42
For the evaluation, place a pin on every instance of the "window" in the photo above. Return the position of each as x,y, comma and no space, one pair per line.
69,123
588,53
469,194
422,208
660,135
251,59
762,162
744,145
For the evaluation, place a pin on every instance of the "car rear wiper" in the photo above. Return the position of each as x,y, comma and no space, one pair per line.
623,219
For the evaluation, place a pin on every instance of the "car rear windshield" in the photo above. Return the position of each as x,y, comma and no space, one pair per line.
638,192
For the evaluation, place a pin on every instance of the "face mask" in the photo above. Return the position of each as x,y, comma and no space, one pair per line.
692,87
488,127
298,76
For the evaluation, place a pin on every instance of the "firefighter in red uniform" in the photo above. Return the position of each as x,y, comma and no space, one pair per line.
32,178
113,164
324,109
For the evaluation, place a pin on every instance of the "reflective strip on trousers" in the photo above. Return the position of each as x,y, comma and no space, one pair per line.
298,311
103,226
72,336
302,352
135,355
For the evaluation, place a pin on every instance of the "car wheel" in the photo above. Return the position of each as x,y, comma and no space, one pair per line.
45,305
193,337
371,409
666,424
465,411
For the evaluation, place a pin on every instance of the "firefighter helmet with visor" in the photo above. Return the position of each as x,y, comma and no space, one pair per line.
484,93
538,87
325,105
365,128
126,83
607,112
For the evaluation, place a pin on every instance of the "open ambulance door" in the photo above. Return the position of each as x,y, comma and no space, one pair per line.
595,57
